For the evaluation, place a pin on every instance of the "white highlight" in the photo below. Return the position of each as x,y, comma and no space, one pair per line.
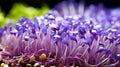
42,66
6,65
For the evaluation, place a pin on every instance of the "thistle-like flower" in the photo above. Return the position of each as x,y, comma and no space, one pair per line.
88,40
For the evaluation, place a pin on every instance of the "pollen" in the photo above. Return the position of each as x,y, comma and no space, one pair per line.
2,65
43,56
20,60
32,58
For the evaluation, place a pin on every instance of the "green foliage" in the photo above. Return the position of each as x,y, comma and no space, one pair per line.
21,10
2,19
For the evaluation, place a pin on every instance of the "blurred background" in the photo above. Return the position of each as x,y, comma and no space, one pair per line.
14,9
6,5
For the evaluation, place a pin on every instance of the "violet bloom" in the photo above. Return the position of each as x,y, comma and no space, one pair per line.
88,40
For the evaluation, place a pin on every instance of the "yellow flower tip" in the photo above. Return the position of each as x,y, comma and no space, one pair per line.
43,56
2,65
32,59
20,60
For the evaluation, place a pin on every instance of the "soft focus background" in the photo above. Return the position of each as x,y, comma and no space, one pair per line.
6,5
12,10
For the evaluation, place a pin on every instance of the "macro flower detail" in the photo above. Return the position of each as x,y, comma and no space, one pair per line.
62,41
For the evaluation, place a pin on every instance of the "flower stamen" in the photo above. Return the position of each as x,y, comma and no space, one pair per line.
43,56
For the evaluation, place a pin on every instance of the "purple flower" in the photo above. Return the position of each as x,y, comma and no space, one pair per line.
87,40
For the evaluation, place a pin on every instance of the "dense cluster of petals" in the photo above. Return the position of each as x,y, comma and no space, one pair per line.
88,39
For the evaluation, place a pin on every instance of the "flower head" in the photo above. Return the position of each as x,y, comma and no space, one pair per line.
70,40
